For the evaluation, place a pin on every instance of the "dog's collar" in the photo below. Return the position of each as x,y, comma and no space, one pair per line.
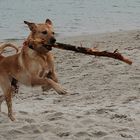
31,47
25,44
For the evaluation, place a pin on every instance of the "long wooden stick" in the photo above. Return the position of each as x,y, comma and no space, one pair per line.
92,51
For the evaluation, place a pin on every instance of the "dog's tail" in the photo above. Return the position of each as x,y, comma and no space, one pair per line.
5,45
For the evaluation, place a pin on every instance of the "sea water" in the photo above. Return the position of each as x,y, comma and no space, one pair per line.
70,17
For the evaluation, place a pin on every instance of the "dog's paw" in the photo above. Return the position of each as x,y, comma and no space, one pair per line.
62,92
12,118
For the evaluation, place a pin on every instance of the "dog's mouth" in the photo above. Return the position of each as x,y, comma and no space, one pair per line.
51,43
48,46
42,45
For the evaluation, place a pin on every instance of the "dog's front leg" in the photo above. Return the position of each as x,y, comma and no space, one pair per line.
50,75
48,83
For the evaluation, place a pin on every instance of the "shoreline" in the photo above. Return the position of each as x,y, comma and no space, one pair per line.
77,36
104,101
98,35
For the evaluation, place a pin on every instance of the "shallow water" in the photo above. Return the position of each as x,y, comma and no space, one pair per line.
70,17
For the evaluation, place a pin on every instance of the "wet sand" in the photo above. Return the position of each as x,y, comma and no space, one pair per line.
104,99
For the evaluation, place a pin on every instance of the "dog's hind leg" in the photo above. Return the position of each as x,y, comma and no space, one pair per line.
15,87
2,98
8,99
7,89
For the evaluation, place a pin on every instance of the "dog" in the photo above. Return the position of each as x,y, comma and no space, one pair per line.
33,66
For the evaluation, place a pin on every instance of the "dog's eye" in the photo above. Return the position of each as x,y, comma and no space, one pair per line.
53,33
44,32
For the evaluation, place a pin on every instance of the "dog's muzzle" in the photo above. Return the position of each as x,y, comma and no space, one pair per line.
52,40
51,43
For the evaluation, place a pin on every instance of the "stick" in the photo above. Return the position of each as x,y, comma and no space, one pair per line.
92,51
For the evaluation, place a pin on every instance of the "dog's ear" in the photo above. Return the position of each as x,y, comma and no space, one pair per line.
48,21
31,26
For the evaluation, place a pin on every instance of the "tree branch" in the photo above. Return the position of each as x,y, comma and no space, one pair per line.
92,51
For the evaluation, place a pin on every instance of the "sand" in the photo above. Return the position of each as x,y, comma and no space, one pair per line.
104,99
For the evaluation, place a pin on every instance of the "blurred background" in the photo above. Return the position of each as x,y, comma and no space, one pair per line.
70,17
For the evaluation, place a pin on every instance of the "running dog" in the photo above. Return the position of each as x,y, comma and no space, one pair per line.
33,66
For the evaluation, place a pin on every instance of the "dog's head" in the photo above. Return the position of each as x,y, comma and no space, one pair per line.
43,31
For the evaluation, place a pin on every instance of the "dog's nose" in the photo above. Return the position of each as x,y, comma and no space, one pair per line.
52,40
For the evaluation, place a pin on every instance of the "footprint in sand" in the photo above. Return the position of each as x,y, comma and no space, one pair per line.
82,134
104,110
91,134
99,133
63,134
55,116
32,129
23,112
121,117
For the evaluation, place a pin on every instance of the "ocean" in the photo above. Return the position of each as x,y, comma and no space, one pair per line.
70,17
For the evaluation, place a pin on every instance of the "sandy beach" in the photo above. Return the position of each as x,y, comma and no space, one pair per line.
104,99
